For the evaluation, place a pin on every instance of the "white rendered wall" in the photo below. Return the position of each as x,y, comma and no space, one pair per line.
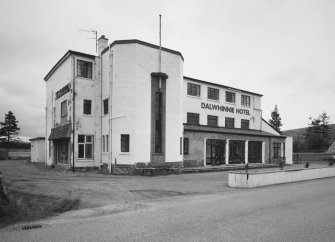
86,88
264,178
289,150
131,101
57,80
193,104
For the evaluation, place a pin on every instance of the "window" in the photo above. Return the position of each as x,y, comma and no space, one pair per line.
63,108
159,123
106,106
229,122
245,100
84,69
244,124
124,142
85,146
193,118
193,89
212,120
63,91
103,143
276,150
230,97
186,142
87,106
63,111
212,93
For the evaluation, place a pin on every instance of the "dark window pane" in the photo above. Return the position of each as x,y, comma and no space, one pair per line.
244,124
81,151
245,100
88,151
213,93
230,97
106,106
64,108
193,118
276,150
186,142
88,138
84,69
193,89
81,138
158,122
124,142
87,106
212,120
230,122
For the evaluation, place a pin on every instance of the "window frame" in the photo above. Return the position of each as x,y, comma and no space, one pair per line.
63,104
210,119
246,102
233,95
90,101
86,143
276,147
191,117
192,89
82,72
105,106
229,120
125,147
186,145
213,93
243,122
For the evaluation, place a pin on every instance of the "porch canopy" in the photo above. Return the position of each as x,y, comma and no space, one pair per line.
61,132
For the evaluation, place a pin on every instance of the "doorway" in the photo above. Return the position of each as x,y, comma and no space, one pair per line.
255,152
215,152
236,152
62,152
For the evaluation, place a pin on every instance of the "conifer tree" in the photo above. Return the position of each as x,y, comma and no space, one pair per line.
9,127
275,120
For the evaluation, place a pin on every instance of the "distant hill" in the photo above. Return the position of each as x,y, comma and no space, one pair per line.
299,135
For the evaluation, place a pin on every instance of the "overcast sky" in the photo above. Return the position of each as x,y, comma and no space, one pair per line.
281,49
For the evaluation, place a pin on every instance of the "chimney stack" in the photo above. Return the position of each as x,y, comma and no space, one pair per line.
102,44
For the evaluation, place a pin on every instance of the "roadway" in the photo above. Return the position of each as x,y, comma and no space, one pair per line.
303,211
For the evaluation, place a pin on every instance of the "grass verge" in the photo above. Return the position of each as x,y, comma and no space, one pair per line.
26,207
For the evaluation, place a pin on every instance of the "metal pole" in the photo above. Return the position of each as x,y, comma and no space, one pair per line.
73,114
160,49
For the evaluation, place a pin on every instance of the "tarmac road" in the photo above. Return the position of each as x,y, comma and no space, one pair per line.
303,211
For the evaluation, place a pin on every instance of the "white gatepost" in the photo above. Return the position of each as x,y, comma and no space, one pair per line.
246,149
263,152
227,152
281,149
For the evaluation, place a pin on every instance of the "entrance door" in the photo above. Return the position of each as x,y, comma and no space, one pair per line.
236,152
255,152
215,152
62,152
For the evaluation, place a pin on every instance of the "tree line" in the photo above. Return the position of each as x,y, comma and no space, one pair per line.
317,137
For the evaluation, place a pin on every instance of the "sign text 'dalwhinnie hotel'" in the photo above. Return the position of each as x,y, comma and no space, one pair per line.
224,108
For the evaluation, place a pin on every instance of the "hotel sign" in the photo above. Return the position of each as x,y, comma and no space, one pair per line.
224,108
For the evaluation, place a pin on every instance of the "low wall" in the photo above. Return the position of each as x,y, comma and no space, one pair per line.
264,178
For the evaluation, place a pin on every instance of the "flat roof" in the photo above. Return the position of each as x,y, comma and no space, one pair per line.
140,42
64,58
224,130
219,85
